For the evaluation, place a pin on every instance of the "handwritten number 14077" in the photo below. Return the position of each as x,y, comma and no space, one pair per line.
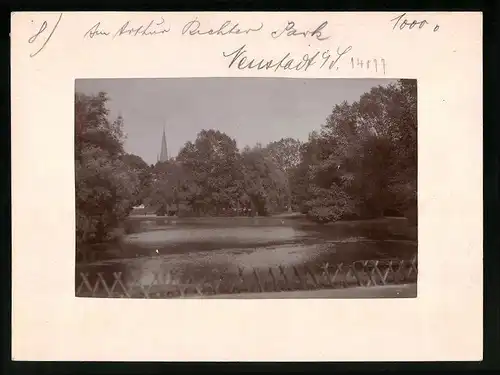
370,65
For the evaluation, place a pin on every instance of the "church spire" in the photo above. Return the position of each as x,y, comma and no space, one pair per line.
164,151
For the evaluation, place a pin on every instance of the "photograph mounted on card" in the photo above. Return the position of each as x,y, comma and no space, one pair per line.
289,171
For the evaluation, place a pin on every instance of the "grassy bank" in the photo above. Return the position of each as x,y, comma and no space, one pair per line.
282,219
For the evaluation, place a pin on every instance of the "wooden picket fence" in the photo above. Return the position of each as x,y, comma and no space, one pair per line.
363,273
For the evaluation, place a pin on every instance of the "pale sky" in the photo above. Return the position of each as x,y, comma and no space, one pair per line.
249,110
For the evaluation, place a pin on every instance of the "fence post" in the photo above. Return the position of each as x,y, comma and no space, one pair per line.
315,281
275,285
261,288
282,271
301,280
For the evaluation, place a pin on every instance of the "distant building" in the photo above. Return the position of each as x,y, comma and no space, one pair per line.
164,151
139,210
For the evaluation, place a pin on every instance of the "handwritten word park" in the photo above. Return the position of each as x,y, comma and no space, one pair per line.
291,30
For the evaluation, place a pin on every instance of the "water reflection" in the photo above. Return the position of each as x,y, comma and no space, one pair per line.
195,250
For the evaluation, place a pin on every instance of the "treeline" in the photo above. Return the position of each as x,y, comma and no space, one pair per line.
361,163
210,176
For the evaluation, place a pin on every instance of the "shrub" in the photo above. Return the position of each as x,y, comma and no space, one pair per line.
329,205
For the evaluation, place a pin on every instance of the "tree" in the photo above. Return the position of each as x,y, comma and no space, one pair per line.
265,184
105,184
223,178
213,163
363,160
135,162
93,128
285,153
144,173
312,153
170,186
393,110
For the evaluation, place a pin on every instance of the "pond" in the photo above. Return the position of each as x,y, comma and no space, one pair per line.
197,247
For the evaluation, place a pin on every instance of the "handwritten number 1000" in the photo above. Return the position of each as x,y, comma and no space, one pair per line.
402,23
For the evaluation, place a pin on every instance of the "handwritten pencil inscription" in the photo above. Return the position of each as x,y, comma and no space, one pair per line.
95,31
194,27
330,57
326,59
401,22
153,27
291,30
41,31
240,60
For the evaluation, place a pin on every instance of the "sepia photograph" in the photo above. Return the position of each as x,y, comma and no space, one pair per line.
246,188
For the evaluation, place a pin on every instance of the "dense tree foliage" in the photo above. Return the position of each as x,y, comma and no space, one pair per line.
285,153
361,163
170,187
106,185
264,183
213,165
